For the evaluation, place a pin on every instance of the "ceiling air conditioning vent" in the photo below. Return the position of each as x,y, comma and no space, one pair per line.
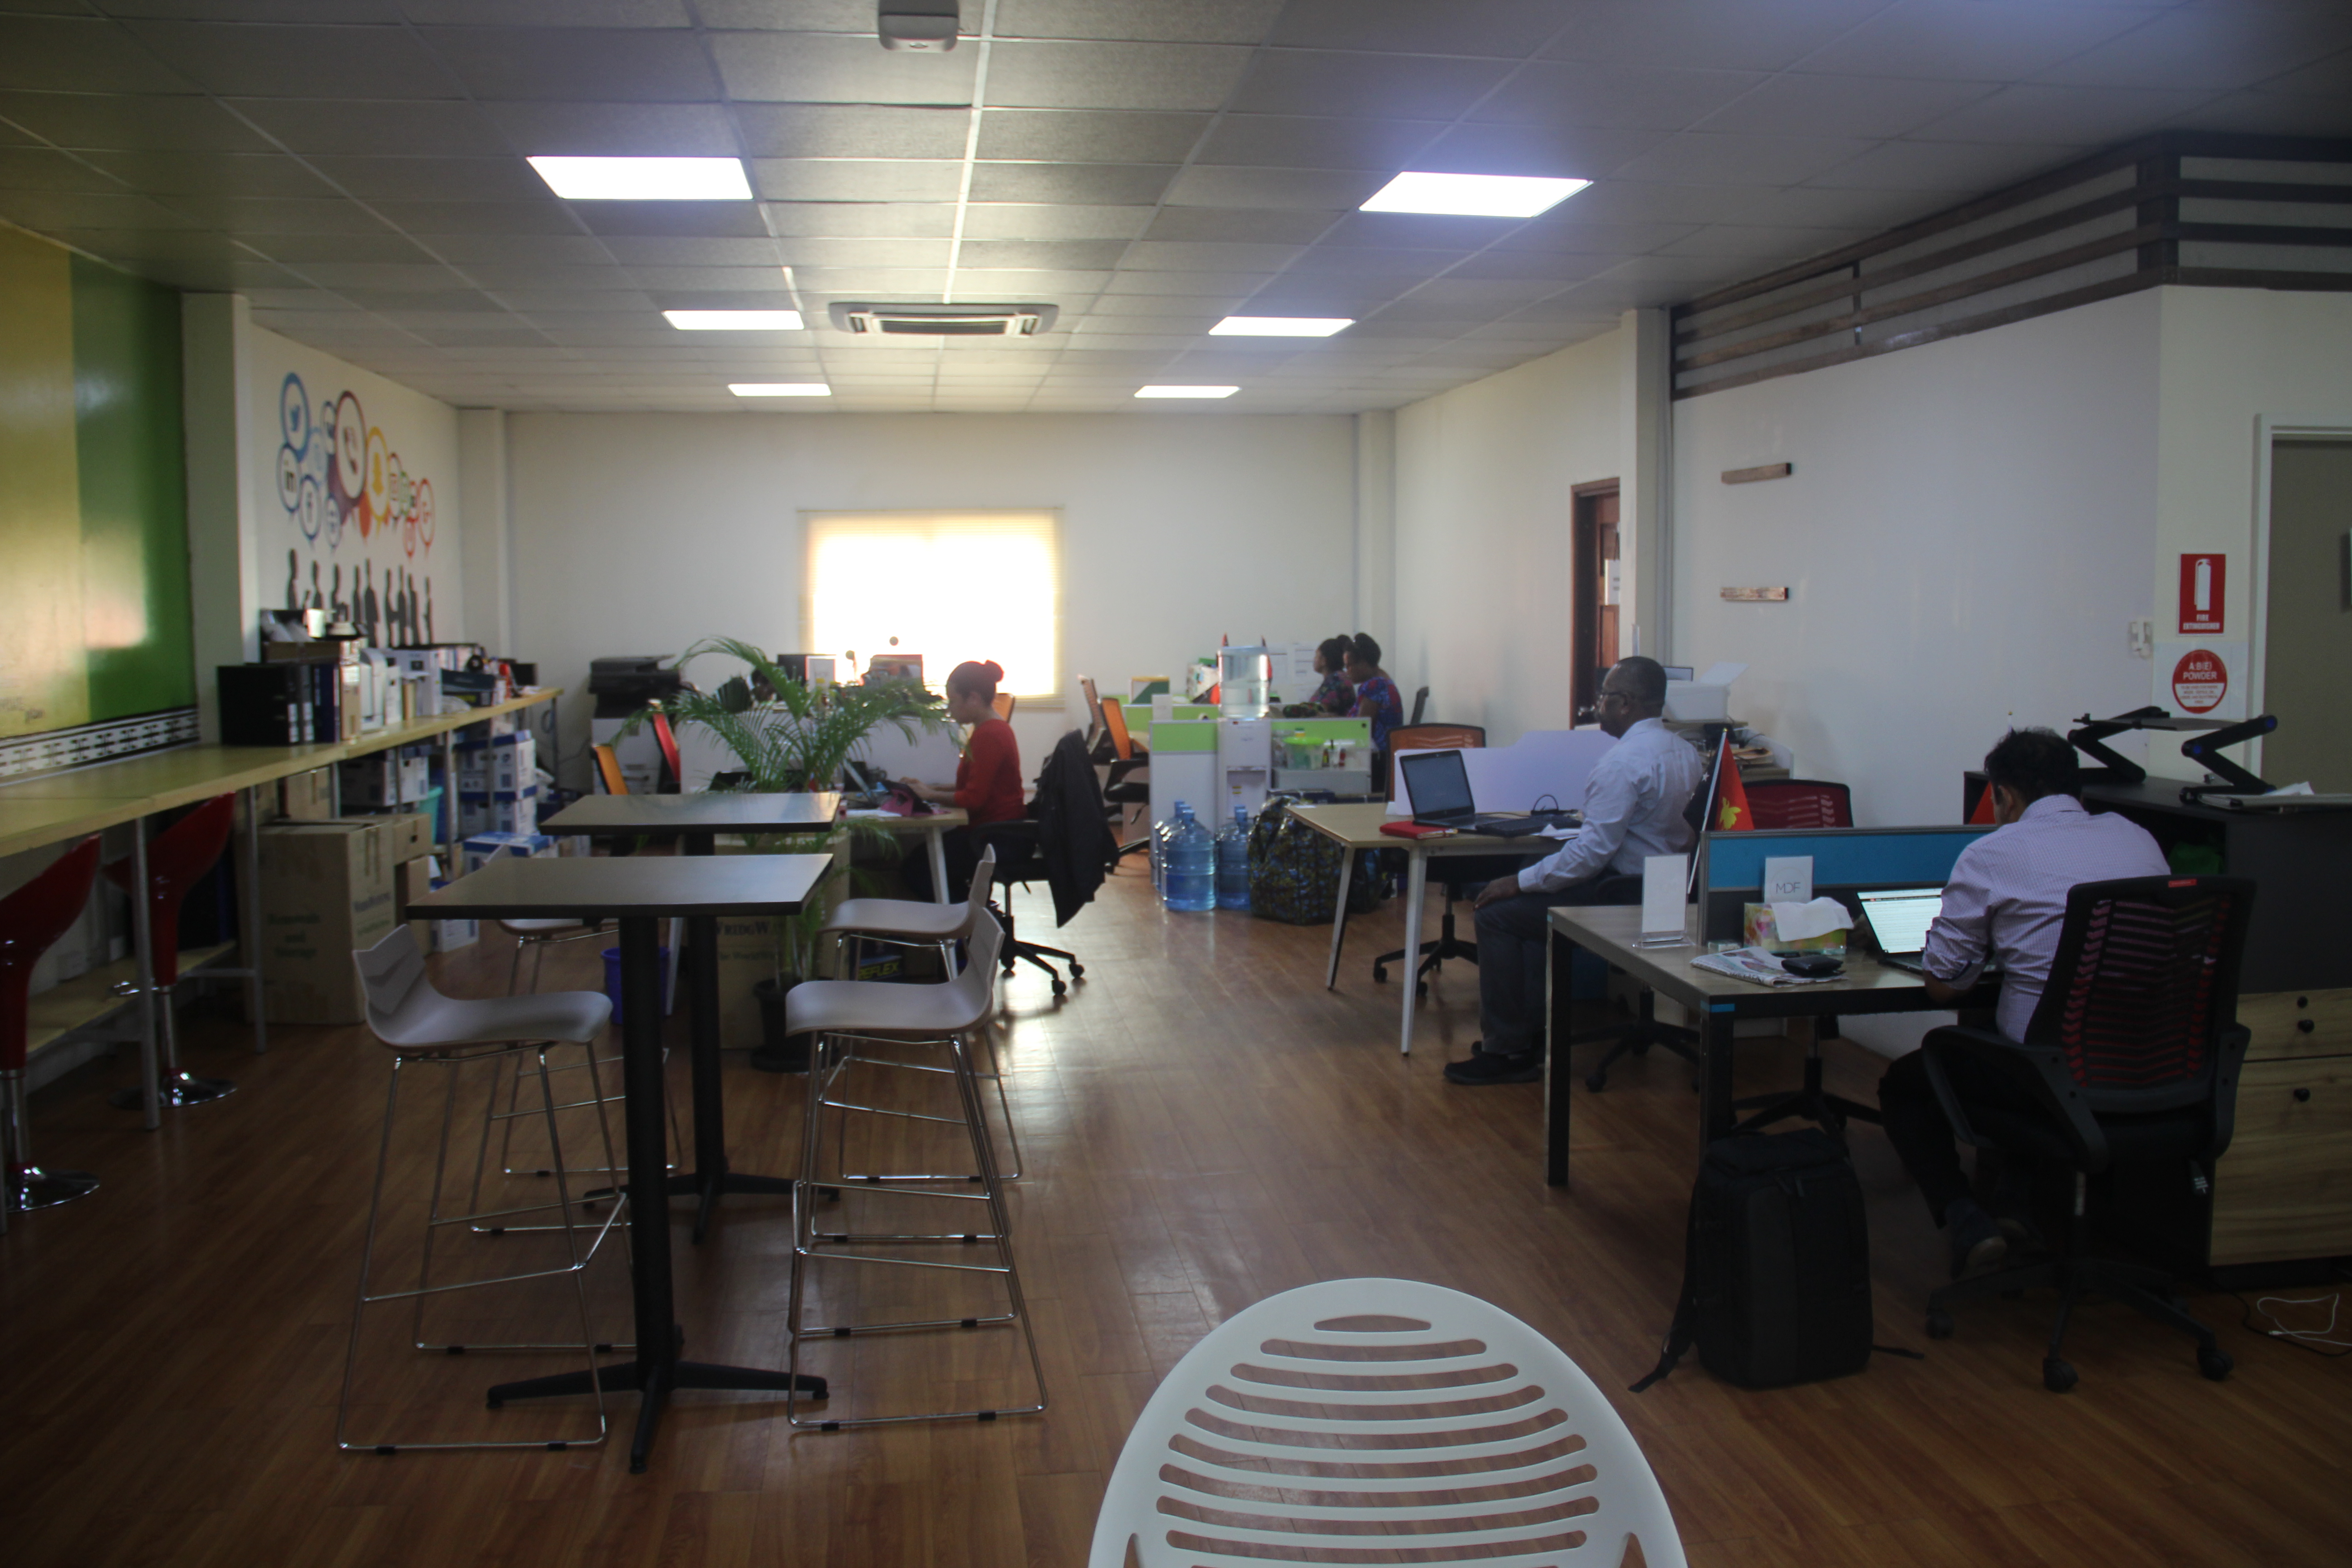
943,320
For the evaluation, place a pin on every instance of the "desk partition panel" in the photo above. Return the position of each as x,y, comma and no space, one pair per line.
1846,861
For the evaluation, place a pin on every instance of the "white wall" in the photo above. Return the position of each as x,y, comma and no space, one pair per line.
643,533
1965,540
1484,534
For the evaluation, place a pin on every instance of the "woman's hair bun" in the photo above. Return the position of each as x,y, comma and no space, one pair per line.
995,670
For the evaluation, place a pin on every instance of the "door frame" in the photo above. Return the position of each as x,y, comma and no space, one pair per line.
2269,430
1584,499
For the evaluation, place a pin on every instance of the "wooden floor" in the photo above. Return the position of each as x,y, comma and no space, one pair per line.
1202,1125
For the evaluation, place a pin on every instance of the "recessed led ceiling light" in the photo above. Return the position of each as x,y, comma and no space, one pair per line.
1280,326
1186,391
780,389
1471,195
734,321
644,179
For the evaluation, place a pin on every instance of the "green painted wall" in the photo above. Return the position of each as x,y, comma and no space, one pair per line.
135,527
95,615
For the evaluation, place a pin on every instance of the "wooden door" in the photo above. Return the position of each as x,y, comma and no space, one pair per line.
1593,635
2309,610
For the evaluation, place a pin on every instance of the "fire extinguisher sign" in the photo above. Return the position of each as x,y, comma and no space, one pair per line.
2200,593
2200,681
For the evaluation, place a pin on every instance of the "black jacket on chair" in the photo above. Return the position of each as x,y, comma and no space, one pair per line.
1065,836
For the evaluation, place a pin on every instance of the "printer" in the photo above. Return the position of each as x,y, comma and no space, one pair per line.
622,684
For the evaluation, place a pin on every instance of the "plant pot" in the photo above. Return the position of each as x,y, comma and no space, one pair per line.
778,1051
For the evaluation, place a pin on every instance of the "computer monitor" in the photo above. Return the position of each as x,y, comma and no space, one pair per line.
1679,671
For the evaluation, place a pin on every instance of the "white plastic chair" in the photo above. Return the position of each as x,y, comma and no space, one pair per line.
1381,1420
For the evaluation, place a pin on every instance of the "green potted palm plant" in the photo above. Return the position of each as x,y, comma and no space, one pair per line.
789,736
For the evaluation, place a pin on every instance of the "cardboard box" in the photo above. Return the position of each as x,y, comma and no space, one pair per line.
307,797
326,892
747,956
476,851
412,835
503,763
500,811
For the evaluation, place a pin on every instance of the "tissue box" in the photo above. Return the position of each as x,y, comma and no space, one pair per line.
1756,928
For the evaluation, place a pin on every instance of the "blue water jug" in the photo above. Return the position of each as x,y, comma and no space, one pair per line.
1191,864
1233,862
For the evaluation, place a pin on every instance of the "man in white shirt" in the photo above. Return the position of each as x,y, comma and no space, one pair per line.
1633,805
2006,900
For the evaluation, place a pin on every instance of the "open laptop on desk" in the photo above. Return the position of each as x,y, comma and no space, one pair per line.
1898,918
1438,783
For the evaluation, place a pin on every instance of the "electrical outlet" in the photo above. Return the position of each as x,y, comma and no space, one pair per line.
2143,638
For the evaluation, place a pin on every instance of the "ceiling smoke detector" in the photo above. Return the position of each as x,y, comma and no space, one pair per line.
943,320
928,24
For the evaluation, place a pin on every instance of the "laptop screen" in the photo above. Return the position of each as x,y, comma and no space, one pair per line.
1899,917
1437,783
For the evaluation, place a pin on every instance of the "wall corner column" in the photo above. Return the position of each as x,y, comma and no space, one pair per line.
224,563
1646,502
1376,524
487,556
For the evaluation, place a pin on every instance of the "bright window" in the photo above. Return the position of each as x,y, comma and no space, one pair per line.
949,585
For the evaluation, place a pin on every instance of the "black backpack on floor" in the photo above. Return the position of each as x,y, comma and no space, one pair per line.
1775,1274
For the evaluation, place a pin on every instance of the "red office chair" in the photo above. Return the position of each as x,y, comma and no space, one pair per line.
178,858
669,739
1780,804
31,920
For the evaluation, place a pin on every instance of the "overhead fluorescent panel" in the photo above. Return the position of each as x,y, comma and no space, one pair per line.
1471,195
644,179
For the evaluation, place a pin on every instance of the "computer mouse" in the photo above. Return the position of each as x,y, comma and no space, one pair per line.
1812,965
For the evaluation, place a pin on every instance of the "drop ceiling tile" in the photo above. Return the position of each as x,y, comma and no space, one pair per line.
1943,165
2216,47
1026,283
597,65
388,276
1212,186
1088,136
128,120
886,220
800,68
1812,206
1043,255
1637,201
303,249
1261,225
1206,255
689,250
717,220
1510,28
531,249
389,302
144,245
549,13
395,179
1419,231
1573,152
1338,262
2080,116
418,128
812,254
1975,40
213,174
502,276
544,216
78,54
1038,75
1007,220
1149,293
1291,295
289,62
2277,114
615,130
484,337
850,130
1071,184
1795,105
856,179
1323,83
1703,158
2330,76
1763,245
1303,141
1575,92
43,169
1577,233
736,280
1558,268
216,277
1097,325
818,284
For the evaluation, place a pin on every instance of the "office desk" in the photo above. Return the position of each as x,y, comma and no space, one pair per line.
935,828
1715,1002
640,892
1355,827
700,817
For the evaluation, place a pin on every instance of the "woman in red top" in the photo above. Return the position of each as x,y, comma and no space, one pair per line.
987,780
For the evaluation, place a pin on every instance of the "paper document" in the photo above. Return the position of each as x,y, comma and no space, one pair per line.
1562,832
1755,964
1663,881
1819,917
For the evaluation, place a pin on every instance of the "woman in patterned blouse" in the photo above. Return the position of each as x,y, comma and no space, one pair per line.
1335,695
1377,697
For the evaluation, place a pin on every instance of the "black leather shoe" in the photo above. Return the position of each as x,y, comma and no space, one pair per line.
1488,1067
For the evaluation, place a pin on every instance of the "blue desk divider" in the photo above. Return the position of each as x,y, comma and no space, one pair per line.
1843,857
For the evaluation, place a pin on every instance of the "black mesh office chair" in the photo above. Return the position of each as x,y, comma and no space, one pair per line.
2131,1059
1066,840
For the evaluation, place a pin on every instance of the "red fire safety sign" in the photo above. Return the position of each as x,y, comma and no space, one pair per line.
2200,681
2201,594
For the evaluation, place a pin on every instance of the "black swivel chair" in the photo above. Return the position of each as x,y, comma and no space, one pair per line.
1126,757
1454,876
1063,840
2131,1059
1420,706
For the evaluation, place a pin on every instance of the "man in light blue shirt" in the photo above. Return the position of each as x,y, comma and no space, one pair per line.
1633,807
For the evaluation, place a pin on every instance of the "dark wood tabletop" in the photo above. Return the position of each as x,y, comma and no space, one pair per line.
706,811
580,888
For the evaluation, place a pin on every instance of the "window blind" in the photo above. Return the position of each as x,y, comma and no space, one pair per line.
949,585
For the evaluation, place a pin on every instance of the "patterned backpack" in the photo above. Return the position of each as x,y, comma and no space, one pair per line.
1294,871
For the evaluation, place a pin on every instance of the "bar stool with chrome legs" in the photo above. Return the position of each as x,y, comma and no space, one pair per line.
425,1028
177,861
840,1013
31,920
912,923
